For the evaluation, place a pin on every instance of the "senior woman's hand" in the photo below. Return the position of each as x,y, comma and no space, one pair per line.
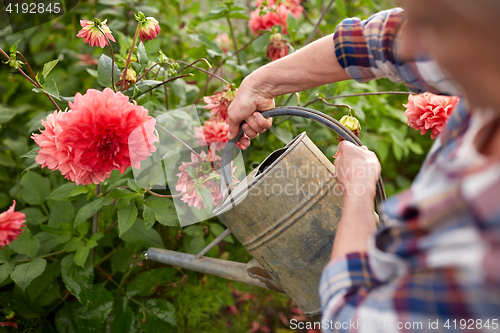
357,169
243,108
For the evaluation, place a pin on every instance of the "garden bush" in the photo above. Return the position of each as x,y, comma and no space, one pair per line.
79,265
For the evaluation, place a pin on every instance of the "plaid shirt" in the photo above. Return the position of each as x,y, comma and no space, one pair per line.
436,266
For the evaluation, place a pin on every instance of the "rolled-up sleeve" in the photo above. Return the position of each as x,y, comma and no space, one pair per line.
367,50
344,284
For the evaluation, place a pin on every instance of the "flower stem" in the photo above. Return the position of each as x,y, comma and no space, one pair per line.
182,142
33,76
160,84
44,256
337,105
124,74
112,60
166,195
37,85
95,220
201,70
311,35
234,38
362,94
147,71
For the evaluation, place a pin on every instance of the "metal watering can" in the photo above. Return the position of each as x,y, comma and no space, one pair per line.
285,213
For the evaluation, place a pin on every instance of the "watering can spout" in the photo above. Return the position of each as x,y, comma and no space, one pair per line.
251,273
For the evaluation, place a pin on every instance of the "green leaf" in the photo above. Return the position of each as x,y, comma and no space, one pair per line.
146,283
34,216
45,289
61,212
119,193
8,162
282,134
139,235
78,190
397,140
416,148
83,228
104,71
33,153
148,215
81,256
124,319
91,318
217,229
126,218
47,67
65,321
25,244
5,270
239,15
25,273
194,245
398,151
4,255
74,244
62,229
34,188
90,209
216,13
122,259
13,47
194,230
206,196
92,72
49,87
94,238
142,55
192,172
62,192
164,211
78,280
292,22
134,187
160,316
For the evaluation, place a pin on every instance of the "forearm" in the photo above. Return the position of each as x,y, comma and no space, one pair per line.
312,66
356,225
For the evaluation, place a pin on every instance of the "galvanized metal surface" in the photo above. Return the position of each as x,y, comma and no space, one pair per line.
226,269
287,217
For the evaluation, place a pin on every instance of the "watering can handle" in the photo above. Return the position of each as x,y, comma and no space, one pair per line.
320,117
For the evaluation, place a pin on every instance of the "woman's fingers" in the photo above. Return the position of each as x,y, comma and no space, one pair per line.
249,131
257,123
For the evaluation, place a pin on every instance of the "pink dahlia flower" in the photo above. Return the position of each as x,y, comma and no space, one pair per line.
429,112
92,35
277,47
102,132
207,171
219,102
11,223
214,134
55,154
225,42
148,27
271,19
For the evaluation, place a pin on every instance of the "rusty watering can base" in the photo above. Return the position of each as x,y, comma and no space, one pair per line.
286,215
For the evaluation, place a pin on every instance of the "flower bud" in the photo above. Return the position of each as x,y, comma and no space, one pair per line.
277,47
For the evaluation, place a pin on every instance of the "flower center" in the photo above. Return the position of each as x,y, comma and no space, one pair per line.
107,147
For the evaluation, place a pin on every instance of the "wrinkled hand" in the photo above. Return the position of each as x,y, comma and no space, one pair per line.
357,169
243,108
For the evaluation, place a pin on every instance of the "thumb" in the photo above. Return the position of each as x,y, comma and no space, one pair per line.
264,103
345,145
